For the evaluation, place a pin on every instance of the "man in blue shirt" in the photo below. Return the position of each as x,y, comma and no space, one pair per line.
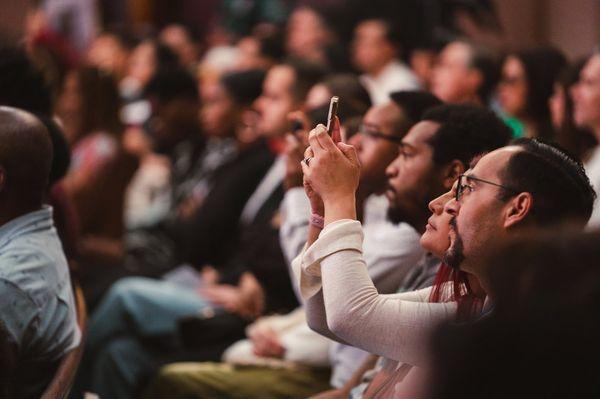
37,307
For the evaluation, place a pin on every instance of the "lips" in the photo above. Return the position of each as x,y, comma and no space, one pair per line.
430,224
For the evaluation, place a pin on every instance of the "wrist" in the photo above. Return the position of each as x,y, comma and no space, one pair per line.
339,208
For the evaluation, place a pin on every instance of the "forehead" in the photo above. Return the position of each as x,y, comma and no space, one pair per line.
419,135
489,166
382,114
371,28
279,78
592,67
457,52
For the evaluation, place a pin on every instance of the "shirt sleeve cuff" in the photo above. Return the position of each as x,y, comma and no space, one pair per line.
338,236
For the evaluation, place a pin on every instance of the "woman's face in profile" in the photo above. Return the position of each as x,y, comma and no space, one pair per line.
436,238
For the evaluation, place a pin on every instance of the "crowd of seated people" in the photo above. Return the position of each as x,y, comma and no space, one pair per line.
434,240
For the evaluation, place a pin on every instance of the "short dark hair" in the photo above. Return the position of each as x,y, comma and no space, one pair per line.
306,75
244,86
415,103
172,83
542,67
488,64
465,131
560,188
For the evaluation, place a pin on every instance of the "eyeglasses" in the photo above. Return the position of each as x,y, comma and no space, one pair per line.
368,131
461,186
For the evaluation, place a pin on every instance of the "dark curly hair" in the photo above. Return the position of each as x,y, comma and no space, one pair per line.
465,131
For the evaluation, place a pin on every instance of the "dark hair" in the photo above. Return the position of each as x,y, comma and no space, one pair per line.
465,131
22,84
354,98
393,34
62,154
542,67
560,188
576,140
484,61
100,102
306,75
271,45
243,87
169,84
415,103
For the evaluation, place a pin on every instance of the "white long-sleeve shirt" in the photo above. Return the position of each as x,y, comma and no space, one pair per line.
343,303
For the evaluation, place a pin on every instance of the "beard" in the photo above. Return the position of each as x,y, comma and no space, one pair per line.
455,256
396,214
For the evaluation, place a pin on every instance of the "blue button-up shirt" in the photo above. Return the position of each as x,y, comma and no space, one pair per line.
37,308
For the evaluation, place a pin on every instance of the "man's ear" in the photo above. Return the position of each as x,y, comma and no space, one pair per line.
517,209
451,173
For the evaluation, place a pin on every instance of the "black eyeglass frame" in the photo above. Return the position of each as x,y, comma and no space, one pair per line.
378,135
459,185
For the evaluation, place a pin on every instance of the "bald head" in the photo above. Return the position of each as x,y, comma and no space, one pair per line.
25,158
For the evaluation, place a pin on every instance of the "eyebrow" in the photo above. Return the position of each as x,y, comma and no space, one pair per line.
404,144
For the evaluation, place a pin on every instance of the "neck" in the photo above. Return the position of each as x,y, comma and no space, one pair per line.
11,212
375,72
476,286
361,198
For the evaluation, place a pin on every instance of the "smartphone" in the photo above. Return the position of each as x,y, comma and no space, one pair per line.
333,108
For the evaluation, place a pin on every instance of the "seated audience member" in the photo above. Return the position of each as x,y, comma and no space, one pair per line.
376,52
281,358
526,84
578,141
145,60
392,252
100,170
174,133
22,86
586,112
465,73
38,310
254,279
422,171
109,52
510,175
308,34
546,292
179,39
261,50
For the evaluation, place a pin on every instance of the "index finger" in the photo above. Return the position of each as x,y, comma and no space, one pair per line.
314,142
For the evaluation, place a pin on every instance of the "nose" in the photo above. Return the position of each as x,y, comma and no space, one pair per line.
452,207
392,170
435,206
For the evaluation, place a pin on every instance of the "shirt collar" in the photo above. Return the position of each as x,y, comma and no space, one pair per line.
36,220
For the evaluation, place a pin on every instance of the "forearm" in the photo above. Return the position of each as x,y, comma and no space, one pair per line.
394,326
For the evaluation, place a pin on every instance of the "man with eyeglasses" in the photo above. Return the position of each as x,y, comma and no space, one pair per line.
525,185
432,155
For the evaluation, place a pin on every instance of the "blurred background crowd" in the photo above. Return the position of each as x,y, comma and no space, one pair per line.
179,128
